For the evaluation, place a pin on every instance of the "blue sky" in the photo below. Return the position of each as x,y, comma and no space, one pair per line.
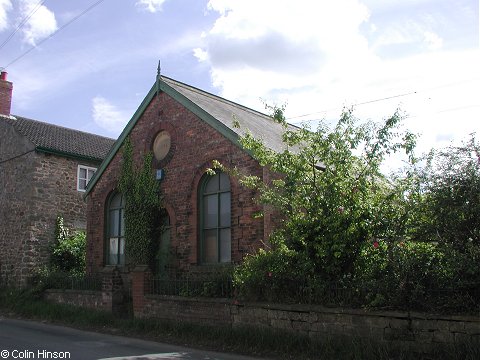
317,56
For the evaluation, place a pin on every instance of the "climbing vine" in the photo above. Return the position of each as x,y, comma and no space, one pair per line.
142,207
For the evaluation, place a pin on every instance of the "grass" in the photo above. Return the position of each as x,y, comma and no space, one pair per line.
257,342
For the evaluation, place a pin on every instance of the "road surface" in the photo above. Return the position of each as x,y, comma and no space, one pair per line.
20,339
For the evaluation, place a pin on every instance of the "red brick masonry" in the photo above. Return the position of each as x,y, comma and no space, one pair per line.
195,144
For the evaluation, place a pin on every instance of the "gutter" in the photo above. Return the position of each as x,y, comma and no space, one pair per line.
69,155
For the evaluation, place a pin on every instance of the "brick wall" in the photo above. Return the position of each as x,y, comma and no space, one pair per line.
6,88
34,189
194,145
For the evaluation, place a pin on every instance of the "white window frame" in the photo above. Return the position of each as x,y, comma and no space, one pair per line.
87,169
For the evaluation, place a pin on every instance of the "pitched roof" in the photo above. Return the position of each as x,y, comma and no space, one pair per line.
214,110
59,140
260,125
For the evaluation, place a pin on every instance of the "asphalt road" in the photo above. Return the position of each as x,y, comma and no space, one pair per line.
20,339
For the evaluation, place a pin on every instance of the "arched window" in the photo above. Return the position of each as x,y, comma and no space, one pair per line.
116,230
215,219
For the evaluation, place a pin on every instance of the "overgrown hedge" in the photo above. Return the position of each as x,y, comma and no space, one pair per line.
409,276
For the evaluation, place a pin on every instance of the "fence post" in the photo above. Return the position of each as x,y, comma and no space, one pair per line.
141,285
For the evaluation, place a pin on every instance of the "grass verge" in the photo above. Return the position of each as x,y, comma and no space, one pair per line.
257,342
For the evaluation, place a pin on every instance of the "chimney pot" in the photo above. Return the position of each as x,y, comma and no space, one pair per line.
3,75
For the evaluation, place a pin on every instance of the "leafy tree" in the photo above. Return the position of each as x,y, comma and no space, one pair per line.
450,210
407,240
329,189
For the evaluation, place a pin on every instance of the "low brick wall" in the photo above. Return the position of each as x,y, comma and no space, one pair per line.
417,330
83,298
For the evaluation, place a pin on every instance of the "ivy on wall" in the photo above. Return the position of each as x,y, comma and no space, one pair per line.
142,207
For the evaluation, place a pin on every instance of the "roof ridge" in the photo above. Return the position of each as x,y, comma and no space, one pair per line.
60,140
208,94
61,127
212,109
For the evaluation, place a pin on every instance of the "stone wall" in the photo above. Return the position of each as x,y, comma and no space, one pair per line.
416,330
83,298
34,189
194,145
190,310
15,198
111,297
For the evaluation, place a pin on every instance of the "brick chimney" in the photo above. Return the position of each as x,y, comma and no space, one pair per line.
6,88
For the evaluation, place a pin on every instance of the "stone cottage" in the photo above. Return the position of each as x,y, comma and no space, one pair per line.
44,171
210,219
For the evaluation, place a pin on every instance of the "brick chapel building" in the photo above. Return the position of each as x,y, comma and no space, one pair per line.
210,219
44,171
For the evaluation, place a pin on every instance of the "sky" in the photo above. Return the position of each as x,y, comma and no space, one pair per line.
88,64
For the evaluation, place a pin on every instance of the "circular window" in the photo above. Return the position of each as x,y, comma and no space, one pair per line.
161,145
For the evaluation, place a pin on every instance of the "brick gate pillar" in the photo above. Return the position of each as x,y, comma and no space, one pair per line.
112,288
141,285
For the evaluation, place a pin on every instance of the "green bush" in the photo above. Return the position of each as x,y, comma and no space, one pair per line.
351,234
67,264
69,254
270,275
328,188
423,276
68,250
405,275
450,208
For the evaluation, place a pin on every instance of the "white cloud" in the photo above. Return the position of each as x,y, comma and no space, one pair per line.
433,41
40,25
409,33
302,45
5,6
200,54
108,116
150,5
317,57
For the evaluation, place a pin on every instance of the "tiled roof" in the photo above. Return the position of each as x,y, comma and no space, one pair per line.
57,139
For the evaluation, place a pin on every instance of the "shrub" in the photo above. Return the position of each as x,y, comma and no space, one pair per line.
328,187
409,240
450,210
273,274
69,249
422,276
